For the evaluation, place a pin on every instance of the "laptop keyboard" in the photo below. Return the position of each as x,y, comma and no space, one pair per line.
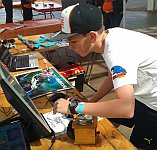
22,61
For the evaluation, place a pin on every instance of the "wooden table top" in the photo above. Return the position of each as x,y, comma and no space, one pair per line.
108,139
20,45
31,27
48,6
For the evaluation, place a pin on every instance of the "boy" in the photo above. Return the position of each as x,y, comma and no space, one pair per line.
131,58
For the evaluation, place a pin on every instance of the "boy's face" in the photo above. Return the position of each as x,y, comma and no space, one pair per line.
80,44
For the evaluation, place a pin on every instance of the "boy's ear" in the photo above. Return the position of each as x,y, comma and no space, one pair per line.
93,36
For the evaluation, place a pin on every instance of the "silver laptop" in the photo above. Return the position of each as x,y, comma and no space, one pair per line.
16,63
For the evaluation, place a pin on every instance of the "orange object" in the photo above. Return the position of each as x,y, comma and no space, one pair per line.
107,6
71,70
27,5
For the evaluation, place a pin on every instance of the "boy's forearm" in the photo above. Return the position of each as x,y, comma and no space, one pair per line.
116,108
121,107
105,88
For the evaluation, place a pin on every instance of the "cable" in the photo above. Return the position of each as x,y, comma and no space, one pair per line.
60,61
50,146
69,55
44,105
49,55
52,142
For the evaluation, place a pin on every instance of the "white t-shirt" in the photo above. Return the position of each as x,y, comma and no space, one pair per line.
132,59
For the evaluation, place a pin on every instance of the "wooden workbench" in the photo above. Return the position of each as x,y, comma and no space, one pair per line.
108,139
47,7
31,27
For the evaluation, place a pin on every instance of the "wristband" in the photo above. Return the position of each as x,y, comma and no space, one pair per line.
80,108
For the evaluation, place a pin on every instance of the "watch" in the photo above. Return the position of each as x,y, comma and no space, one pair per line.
72,106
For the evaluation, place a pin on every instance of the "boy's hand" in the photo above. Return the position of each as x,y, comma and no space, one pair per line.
61,106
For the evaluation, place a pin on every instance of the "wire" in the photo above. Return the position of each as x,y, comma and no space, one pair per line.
44,105
69,55
52,142
60,61
49,55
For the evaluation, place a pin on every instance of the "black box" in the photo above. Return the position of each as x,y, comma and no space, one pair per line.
74,74
77,81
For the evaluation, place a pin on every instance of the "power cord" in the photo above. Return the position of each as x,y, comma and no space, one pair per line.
45,105
69,55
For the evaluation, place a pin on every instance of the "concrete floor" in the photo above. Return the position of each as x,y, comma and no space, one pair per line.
137,18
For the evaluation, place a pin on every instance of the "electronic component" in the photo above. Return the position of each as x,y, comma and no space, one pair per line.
56,96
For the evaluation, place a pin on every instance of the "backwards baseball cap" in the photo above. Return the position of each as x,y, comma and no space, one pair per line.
79,19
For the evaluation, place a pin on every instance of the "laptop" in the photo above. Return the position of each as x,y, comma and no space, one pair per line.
13,136
16,63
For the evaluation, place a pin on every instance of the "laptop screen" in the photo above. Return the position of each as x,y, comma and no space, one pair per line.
5,55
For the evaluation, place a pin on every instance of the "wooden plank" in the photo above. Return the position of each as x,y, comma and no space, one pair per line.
31,27
114,137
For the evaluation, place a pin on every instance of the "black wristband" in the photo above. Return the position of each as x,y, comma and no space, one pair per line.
73,104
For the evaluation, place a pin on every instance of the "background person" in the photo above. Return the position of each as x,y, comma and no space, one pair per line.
26,7
131,58
112,11
8,5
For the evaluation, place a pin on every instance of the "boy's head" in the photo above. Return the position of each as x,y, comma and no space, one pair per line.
79,19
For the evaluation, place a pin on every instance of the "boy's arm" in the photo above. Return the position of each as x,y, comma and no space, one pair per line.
105,88
120,107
